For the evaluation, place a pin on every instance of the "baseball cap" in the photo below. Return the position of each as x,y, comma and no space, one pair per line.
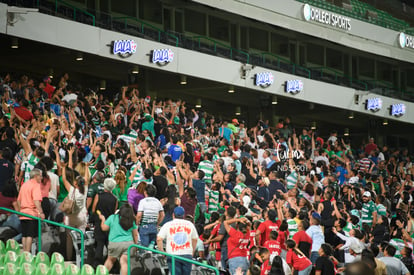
316,215
179,211
235,121
366,194
109,184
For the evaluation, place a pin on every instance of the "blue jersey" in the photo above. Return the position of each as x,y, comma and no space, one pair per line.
175,152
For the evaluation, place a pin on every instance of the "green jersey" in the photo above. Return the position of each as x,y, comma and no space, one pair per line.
366,212
291,180
213,201
292,227
381,210
208,168
239,188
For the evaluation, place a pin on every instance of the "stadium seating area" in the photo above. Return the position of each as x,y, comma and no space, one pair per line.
133,26
13,261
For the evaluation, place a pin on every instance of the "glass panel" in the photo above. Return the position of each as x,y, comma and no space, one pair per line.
258,39
126,7
150,10
195,22
366,67
315,54
219,28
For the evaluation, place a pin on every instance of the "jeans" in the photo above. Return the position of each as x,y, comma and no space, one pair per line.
306,271
224,257
13,221
181,267
203,207
236,262
148,234
314,256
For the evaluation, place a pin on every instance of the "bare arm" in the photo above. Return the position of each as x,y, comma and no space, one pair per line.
139,217
104,227
95,203
160,243
161,216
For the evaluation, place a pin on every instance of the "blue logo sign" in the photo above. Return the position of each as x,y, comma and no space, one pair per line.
264,79
294,86
162,56
374,104
124,48
398,109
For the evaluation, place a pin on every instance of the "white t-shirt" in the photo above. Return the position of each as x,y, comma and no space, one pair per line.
150,208
178,234
54,183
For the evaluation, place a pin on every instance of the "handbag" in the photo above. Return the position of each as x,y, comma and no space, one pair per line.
68,204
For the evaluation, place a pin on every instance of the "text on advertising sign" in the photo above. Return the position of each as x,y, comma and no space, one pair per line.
264,79
398,109
374,104
124,47
162,56
326,17
294,86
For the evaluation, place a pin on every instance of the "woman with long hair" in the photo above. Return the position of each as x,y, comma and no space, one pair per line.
44,188
278,267
170,202
122,233
297,260
122,186
135,195
77,190
324,264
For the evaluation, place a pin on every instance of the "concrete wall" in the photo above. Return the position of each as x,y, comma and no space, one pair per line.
61,32
362,36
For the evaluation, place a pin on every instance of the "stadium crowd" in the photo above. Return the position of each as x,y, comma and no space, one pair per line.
268,199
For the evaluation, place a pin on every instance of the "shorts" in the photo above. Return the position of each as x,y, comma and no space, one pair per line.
30,228
117,249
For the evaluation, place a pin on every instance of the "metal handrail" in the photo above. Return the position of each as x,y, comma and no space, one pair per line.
173,258
53,223
215,43
74,10
143,23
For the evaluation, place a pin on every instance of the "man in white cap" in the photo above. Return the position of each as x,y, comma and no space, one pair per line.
369,210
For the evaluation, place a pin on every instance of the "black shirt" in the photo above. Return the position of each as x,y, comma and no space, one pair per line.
6,172
274,186
161,183
325,265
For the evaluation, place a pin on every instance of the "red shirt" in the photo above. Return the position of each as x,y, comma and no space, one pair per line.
265,228
216,245
24,113
237,244
297,261
265,268
252,238
273,246
49,89
282,237
302,236
6,202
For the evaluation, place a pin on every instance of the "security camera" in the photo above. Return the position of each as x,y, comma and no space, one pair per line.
358,95
247,67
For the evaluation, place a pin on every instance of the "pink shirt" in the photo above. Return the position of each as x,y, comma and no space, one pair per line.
29,192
